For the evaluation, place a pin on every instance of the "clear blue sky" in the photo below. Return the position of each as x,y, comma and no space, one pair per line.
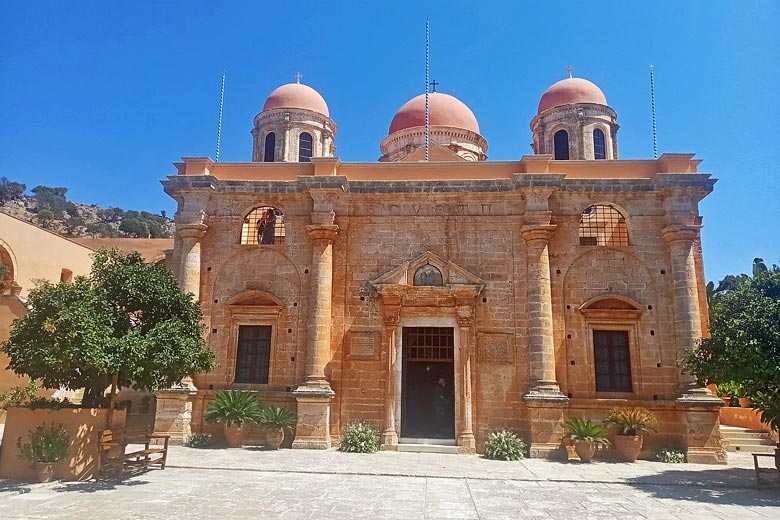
102,97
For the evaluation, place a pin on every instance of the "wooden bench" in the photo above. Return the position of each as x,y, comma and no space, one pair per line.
115,460
760,470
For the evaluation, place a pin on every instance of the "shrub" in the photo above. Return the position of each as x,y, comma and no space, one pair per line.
504,445
234,407
277,417
631,420
670,456
197,440
47,444
585,430
42,403
360,437
19,395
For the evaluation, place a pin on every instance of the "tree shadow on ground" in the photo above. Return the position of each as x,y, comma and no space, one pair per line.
13,486
735,486
94,486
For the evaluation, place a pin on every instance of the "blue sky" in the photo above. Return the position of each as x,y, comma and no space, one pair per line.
102,97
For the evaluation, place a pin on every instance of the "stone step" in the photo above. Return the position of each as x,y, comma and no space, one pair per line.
763,448
419,445
750,441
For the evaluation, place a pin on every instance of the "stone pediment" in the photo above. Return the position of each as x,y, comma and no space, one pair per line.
445,275
435,153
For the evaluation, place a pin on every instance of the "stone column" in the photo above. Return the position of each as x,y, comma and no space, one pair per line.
463,359
389,436
173,411
315,394
189,270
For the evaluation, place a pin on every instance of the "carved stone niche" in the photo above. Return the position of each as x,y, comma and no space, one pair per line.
363,345
495,347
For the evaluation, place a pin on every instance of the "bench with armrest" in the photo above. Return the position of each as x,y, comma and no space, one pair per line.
760,470
115,459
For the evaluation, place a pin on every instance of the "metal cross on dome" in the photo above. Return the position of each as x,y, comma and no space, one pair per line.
569,70
298,77
433,84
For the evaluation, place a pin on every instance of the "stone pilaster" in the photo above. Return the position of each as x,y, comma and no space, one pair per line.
389,438
464,355
173,412
189,270
315,394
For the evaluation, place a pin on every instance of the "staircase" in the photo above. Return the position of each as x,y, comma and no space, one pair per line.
747,441
427,445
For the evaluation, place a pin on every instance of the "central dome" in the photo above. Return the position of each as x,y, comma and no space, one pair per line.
569,91
296,95
443,110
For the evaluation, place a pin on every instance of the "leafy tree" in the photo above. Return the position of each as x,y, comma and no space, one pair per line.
134,227
744,342
45,216
51,198
111,215
10,190
127,318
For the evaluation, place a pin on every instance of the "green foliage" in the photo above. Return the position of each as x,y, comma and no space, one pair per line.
504,445
52,199
127,317
19,395
730,388
278,417
234,407
197,440
360,437
631,420
45,216
585,430
670,456
10,190
4,271
744,342
47,444
50,404
134,227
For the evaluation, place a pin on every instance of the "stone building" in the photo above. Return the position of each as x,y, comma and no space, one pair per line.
440,300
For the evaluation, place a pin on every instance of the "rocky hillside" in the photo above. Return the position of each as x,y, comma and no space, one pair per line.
50,209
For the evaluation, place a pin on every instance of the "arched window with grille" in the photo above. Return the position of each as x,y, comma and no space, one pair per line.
561,145
269,147
304,147
263,225
599,146
603,225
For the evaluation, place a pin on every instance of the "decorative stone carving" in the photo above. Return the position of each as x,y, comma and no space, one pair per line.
495,348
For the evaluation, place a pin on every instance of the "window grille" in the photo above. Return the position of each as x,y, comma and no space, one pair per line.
263,225
599,147
305,147
561,145
612,360
269,147
253,354
603,225
429,344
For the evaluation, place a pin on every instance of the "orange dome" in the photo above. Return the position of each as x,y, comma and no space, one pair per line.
296,95
443,110
571,90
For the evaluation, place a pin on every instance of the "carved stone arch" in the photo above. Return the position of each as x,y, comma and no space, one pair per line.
249,224
255,298
614,306
270,272
620,209
585,257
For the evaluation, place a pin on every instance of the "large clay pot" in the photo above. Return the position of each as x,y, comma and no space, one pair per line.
274,438
235,435
628,447
744,402
44,471
585,450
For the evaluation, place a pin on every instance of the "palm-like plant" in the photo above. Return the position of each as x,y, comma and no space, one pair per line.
277,417
586,430
631,420
234,407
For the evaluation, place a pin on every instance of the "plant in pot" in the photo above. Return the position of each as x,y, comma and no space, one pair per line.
586,435
48,445
237,411
632,422
276,420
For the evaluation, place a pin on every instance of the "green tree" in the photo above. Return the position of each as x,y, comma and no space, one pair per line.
134,227
45,216
744,342
51,198
127,318
10,190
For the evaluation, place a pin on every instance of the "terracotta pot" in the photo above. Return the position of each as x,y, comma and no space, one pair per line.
744,402
726,400
44,471
235,435
628,447
274,438
585,450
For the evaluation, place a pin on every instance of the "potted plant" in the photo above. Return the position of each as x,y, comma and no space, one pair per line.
632,422
47,446
237,410
276,420
587,436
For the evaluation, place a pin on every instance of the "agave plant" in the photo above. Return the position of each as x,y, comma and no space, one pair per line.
277,417
586,430
631,421
234,407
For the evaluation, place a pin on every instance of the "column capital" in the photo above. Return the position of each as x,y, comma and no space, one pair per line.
327,232
197,230
534,232
675,233
391,321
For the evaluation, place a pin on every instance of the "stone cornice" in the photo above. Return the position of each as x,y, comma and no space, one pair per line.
680,233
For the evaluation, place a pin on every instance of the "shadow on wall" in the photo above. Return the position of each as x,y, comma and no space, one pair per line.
735,486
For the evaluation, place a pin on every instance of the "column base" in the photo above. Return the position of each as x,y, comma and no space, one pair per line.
702,428
389,440
173,414
467,444
313,429
546,413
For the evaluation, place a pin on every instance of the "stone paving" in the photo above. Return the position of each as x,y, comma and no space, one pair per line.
297,484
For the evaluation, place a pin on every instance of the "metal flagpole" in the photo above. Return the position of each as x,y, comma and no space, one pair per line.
219,123
427,75
652,107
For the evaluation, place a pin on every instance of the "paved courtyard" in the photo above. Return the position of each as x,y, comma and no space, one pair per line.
293,484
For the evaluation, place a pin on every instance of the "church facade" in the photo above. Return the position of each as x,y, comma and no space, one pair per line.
440,296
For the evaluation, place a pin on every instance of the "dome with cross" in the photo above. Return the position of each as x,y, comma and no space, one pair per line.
443,110
297,95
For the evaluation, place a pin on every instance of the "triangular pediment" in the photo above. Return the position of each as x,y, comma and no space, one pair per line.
451,273
435,154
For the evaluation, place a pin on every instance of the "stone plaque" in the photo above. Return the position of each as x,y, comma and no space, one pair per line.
495,348
364,345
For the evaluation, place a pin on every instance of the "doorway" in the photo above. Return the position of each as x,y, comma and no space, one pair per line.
427,396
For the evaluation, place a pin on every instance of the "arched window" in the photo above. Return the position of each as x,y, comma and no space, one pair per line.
599,148
304,147
6,271
263,225
603,225
270,145
428,275
561,145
